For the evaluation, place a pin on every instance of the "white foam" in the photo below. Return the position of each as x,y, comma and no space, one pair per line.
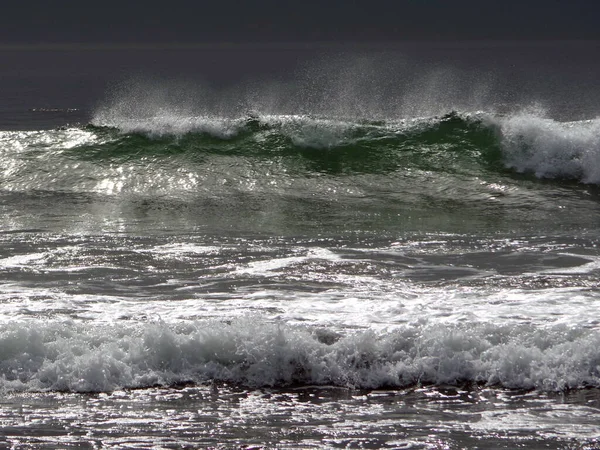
179,249
551,149
275,264
254,352
26,260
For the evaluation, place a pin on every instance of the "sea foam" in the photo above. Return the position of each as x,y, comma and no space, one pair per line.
256,353
551,149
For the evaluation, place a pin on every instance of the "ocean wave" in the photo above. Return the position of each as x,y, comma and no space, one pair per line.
252,352
353,146
188,155
528,142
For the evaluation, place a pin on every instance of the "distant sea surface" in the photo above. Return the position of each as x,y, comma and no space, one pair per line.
296,246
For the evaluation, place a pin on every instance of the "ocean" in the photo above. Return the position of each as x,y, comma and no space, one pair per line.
300,246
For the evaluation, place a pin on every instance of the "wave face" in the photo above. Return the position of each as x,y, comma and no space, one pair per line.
78,358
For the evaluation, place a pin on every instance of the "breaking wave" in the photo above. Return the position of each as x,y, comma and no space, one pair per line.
251,352
172,155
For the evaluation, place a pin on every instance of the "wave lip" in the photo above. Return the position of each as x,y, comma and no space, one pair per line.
255,353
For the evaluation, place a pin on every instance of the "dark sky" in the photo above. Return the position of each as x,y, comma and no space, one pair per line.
175,21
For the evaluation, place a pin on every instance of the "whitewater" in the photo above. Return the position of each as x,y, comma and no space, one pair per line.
364,254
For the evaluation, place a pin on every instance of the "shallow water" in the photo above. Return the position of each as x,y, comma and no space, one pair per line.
222,416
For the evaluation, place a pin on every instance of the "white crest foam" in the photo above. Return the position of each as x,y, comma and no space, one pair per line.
253,352
552,149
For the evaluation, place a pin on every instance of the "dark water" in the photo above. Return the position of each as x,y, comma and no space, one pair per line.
294,246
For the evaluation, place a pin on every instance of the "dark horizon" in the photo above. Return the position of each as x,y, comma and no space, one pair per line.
269,21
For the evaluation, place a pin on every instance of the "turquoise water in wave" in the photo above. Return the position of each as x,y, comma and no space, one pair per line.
364,248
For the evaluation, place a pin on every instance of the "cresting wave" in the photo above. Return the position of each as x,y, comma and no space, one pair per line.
116,154
525,142
254,353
